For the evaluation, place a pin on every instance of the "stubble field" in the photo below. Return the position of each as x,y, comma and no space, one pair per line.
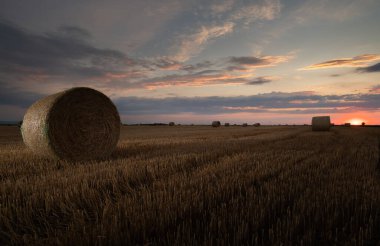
198,185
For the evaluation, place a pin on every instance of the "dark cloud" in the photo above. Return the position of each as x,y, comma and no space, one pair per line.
276,102
74,32
243,63
166,63
65,52
259,81
198,66
12,96
370,69
246,60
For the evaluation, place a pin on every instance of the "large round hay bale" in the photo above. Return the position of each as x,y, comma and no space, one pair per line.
320,123
215,124
76,124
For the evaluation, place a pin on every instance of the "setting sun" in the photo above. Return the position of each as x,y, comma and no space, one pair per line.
356,121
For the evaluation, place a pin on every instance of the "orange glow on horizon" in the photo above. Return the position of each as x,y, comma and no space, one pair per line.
356,121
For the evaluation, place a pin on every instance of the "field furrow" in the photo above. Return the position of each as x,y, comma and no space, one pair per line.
198,186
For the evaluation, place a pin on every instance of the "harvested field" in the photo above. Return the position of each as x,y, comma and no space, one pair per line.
198,185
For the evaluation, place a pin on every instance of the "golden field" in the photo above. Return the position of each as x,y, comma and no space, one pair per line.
198,185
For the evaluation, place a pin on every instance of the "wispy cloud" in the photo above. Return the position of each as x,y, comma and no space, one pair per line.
375,89
235,14
189,45
357,61
276,102
202,78
370,69
330,10
244,63
221,7
261,80
248,13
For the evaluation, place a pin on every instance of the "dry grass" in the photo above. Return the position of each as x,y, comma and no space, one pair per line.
193,185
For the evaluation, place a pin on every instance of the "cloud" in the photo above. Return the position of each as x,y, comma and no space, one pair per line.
222,7
244,63
248,13
342,10
370,69
13,96
276,102
357,61
202,78
166,63
198,66
375,89
260,80
225,17
189,45
64,53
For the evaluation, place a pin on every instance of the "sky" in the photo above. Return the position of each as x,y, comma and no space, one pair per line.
192,62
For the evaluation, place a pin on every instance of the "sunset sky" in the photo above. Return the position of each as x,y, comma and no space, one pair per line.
269,61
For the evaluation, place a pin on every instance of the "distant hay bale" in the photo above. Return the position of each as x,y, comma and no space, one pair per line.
215,123
226,124
320,123
245,125
257,124
76,124
347,124
171,123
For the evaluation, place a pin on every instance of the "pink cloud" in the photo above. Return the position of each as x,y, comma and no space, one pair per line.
357,61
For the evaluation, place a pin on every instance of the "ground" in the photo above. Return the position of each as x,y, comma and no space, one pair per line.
194,185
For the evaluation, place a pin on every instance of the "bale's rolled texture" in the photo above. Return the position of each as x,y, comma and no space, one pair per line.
76,124
215,123
320,123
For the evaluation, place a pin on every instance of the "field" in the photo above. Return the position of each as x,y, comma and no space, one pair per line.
198,185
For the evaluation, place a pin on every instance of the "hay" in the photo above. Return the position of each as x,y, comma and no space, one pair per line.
347,124
215,124
76,124
171,123
257,124
226,124
245,125
321,123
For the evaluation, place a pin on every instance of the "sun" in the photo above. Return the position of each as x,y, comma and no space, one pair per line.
356,121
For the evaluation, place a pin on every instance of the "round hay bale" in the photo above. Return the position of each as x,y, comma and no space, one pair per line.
171,123
76,124
257,124
226,124
245,124
215,123
320,123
